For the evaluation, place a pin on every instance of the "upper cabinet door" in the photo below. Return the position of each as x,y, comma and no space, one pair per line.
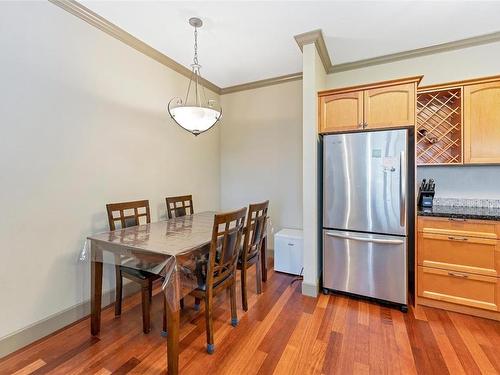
389,107
340,112
482,123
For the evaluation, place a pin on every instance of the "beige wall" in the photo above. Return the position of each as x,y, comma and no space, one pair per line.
83,123
261,151
460,182
448,66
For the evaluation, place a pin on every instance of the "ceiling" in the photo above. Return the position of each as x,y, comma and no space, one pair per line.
245,41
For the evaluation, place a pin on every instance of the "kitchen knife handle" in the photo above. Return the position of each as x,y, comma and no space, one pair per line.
402,189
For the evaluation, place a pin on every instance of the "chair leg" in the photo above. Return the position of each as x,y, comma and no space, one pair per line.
146,326
258,276
164,331
232,296
197,304
209,324
118,291
182,303
244,298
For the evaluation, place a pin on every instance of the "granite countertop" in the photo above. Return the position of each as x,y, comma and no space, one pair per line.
479,213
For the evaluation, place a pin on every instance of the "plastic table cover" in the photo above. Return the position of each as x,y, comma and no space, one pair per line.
174,249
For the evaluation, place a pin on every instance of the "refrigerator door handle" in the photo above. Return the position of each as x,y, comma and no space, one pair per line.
363,239
402,189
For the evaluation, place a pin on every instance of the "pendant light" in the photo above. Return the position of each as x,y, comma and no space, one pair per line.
196,115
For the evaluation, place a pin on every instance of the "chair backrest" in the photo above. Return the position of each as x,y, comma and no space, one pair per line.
129,213
177,206
224,248
255,229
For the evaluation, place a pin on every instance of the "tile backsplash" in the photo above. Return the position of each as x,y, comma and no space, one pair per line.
466,202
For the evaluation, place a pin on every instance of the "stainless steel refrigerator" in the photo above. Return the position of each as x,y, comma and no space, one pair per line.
365,213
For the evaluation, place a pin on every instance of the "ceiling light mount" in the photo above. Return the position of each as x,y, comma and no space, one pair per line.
195,22
198,114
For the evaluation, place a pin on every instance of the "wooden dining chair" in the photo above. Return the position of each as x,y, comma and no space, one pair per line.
130,214
255,230
178,206
219,272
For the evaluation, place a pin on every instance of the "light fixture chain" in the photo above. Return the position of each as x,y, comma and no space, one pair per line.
195,59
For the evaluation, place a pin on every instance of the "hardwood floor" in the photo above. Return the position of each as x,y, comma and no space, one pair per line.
282,333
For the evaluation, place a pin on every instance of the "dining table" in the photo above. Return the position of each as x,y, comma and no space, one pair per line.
171,249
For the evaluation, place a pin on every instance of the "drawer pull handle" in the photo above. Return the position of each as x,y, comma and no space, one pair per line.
456,219
291,244
457,238
458,275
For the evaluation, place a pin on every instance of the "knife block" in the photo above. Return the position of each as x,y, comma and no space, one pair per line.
425,198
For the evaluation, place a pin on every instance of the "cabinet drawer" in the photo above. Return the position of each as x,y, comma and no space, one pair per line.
459,227
460,288
464,254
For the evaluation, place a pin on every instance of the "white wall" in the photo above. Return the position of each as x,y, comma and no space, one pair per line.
479,61
261,151
83,123
313,81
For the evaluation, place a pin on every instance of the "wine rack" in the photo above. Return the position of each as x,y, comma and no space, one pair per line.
439,127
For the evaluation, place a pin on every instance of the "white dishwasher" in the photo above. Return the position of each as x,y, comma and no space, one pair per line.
288,250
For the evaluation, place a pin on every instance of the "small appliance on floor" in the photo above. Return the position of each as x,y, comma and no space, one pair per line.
288,250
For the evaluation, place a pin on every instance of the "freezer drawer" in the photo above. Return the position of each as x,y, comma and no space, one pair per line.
366,264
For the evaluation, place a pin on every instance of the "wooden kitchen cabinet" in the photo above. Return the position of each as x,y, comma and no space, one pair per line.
389,107
460,288
482,123
459,122
340,112
458,265
389,104
459,253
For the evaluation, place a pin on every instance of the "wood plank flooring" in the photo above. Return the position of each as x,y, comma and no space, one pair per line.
282,333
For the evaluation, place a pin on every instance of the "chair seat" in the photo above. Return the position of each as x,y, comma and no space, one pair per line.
143,275
203,286
249,260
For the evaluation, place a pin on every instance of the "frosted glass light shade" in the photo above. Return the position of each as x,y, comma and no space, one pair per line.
195,119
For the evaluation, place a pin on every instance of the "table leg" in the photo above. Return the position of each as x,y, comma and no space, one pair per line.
263,258
173,318
96,296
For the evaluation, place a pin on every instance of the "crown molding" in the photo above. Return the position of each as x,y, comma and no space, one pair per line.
438,48
316,37
116,32
262,83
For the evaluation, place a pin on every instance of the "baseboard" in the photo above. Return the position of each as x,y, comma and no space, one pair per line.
309,289
44,327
